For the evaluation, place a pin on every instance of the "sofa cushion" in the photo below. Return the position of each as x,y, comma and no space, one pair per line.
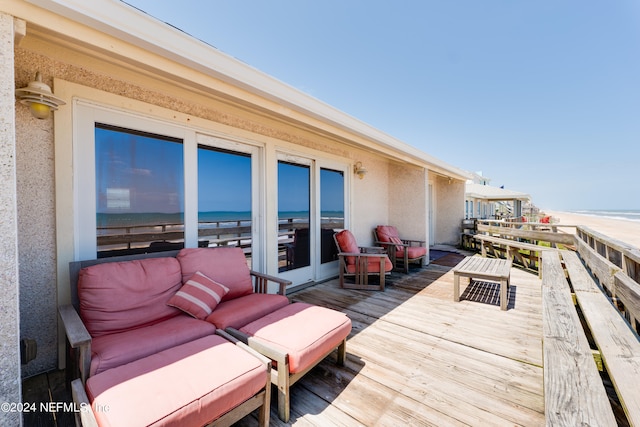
303,331
191,384
119,296
108,351
227,266
199,296
240,311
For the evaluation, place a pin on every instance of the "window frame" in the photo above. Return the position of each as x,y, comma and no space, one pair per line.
87,114
84,195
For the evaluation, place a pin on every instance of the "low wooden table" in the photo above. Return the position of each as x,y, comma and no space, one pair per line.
492,269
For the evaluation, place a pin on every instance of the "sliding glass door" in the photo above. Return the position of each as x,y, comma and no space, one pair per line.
311,208
294,220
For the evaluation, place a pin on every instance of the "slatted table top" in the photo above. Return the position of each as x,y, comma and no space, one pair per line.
491,269
487,268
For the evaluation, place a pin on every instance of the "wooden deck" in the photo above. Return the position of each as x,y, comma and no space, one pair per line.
415,357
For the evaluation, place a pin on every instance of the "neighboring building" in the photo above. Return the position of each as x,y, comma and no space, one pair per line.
484,201
174,103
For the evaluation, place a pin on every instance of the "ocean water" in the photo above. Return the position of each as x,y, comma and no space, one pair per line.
626,214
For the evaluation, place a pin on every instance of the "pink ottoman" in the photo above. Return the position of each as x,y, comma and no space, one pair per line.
188,385
296,337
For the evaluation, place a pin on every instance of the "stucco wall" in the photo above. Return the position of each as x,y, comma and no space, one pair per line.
36,226
370,198
449,197
36,221
9,330
408,201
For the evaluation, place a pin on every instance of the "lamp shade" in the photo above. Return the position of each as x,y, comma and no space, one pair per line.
38,96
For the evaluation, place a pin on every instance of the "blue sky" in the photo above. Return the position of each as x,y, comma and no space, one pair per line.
543,97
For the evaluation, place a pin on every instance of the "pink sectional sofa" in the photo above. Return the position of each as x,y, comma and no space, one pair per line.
147,314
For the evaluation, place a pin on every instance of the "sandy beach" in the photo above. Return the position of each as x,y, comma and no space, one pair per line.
624,230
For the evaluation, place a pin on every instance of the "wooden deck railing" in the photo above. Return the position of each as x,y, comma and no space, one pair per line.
601,276
617,267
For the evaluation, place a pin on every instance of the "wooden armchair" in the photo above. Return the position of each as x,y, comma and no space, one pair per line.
399,250
360,262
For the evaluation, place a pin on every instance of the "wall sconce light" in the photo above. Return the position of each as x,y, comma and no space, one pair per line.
38,97
359,170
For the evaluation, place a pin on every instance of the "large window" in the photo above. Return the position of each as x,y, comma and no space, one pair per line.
139,191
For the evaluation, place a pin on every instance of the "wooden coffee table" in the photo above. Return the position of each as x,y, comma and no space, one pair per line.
491,269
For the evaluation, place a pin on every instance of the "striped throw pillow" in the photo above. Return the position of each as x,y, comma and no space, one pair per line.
199,296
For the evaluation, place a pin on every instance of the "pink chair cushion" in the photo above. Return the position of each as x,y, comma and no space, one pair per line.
191,384
414,252
373,265
109,351
388,232
347,242
240,311
227,266
120,296
305,332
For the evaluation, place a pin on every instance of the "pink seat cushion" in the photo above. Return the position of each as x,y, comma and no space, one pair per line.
191,384
305,332
347,242
109,351
373,265
120,296
227,266
414,252
240,311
